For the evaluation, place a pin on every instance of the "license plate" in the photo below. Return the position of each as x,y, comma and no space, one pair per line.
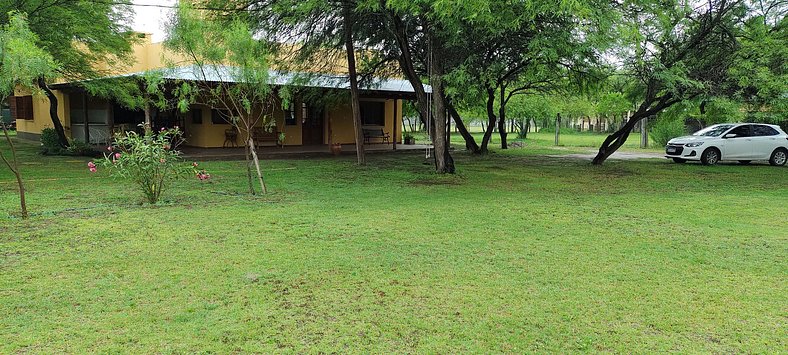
671,150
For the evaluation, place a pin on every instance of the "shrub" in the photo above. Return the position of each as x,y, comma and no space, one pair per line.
80,148
150,161
667,129
50,143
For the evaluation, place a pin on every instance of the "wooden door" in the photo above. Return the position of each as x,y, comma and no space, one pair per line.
312,125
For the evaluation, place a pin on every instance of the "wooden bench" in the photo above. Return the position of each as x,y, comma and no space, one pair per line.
261,136
375,133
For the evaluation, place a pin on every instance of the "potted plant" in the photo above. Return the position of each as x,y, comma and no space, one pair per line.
281,139
336,148
409,139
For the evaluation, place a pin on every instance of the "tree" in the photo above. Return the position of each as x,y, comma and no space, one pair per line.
323,32
676,53
231,71
22,63
80,35
758,69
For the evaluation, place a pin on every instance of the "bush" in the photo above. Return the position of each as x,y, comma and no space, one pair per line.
667,129
80,148
150,161
50,143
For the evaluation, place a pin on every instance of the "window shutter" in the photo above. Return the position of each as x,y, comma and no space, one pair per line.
21,107
12,106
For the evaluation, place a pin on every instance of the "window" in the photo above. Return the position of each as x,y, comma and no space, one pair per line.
713,131
196,116
373,113
741,131
220,116
290,116
21,107
761,130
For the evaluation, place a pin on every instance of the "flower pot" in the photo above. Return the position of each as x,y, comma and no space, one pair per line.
336,148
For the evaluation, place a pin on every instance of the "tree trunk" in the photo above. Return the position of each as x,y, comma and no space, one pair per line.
354,93
249,169
257,165
470,142
617,139
502,118
444,164
406,64
53,104
491,119
14,167
148,128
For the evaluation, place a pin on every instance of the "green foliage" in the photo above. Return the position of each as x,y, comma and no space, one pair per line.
80,148
22,62
79,34
759,67
151,161
50,143
230,64
666,129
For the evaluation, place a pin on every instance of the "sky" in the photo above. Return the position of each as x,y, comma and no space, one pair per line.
151,19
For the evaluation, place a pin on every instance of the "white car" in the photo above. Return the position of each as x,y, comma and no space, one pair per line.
742,142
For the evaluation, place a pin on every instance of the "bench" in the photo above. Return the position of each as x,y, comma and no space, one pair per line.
375,133
261,136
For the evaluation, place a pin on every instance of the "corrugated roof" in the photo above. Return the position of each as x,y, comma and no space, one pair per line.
225,73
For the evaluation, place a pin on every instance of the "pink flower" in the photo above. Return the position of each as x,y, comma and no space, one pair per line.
202,175
91,165
163,129
93,169
109,148
194,164
117,155
162,160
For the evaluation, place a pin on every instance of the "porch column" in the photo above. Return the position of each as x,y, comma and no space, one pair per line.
394,127
85,116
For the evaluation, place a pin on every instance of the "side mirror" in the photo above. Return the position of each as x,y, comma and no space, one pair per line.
730,135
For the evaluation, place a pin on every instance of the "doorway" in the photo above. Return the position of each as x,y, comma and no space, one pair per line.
312,125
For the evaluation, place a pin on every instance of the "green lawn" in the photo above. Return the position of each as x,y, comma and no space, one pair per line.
516,253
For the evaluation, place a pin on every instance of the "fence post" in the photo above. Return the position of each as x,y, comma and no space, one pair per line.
557,127
644,133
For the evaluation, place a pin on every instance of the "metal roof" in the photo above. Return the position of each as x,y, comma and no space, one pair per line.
223,73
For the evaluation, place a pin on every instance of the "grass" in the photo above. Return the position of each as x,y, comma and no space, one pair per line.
570,141
516,253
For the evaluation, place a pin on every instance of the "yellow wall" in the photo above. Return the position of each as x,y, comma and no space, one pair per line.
341,119
210,135
41,118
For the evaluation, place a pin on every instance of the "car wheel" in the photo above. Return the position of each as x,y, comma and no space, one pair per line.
745,162
710,156
779,157
679,160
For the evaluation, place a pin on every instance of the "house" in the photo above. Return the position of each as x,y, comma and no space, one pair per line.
303,122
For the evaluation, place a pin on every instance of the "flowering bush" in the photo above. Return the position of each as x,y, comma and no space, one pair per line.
151,161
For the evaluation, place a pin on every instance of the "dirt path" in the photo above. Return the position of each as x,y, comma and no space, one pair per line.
616,156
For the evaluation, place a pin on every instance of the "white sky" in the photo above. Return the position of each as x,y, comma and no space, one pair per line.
151,19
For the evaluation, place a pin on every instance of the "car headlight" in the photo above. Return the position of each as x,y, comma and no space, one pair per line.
693,145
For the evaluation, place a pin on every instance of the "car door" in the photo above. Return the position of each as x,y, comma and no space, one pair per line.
738,147
764,141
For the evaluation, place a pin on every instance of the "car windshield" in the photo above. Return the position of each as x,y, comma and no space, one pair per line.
713,131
